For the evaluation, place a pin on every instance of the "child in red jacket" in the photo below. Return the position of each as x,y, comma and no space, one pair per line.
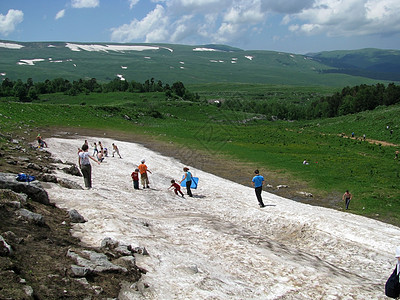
176,187
135,178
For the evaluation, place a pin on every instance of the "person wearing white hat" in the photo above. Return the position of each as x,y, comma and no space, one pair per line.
143,174
392,286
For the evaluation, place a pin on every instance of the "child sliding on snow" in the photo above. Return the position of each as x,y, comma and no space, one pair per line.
176,187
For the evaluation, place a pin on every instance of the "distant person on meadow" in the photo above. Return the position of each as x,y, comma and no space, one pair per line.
84,164
188,177
115,150
258,182
135,179
347,196
176,187
144,178
396,155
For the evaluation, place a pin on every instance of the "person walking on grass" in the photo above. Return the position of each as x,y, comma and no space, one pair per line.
84,164
347,196
188,177
257,182
177,188
143,174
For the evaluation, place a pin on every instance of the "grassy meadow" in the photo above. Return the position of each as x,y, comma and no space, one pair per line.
336,162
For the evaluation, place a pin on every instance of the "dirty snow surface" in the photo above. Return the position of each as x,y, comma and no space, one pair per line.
220,244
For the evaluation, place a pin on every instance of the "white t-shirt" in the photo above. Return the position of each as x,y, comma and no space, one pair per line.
84,158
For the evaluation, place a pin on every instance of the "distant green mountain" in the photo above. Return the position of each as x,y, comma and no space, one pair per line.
189,64
370,63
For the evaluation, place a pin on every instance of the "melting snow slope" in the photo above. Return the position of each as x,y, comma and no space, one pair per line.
219,244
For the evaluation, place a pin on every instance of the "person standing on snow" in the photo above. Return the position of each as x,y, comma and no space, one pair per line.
143,174
257,182
84,164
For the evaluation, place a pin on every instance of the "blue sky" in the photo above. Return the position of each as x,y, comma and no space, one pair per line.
296,26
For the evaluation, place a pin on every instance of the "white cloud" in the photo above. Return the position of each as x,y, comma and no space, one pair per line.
85,3
349,17
151,28
132,3
60,14
233,21
9,21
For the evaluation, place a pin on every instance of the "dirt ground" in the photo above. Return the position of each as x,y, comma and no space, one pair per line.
40,260
39,267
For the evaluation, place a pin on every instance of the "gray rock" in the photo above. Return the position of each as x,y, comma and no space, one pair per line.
73,170
69,184
34,167
33,189
47,178
109,243
281,186
5,248
78,271
76,217
122,251
95,262
31,216
129,262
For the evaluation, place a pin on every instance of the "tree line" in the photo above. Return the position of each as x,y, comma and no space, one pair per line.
350,100
29,91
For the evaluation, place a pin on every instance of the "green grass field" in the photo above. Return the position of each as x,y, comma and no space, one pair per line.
337,163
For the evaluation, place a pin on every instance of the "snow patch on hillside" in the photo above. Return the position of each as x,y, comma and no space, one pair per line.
10,45
107,48
30,62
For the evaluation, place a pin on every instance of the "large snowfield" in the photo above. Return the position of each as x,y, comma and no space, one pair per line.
220,244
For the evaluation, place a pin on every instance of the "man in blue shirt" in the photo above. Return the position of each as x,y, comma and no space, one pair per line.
257,182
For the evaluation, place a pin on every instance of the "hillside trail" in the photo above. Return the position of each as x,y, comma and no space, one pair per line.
220,244
371,141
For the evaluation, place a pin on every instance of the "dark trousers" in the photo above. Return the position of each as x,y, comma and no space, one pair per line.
258,194
347,203
87,175
188,184
136,184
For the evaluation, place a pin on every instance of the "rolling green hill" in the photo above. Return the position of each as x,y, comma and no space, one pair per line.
371,63
171,63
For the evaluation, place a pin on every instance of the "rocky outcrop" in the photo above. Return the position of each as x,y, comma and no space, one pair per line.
33,189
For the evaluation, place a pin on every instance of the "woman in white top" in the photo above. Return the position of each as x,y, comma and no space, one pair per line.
85,166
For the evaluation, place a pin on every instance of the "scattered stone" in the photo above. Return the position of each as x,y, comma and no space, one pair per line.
281,186
109,243
78,271
73,170
95,262
306,194
34,167
31,216
69,184
76,217
122,251
47,178
137,249
5,248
